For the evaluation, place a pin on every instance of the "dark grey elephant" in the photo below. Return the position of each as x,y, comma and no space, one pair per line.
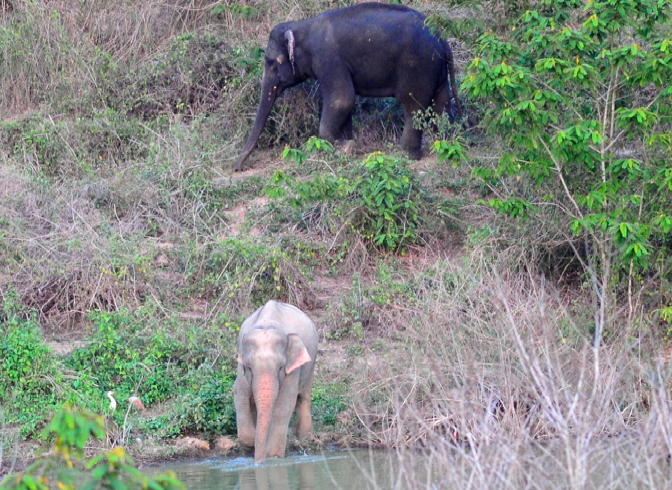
369,49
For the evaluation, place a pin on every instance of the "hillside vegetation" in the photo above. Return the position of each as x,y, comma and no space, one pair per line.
504,303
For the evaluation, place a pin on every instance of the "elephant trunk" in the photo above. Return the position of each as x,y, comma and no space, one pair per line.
269,92
265,392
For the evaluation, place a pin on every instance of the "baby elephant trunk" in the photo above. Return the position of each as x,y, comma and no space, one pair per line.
265,393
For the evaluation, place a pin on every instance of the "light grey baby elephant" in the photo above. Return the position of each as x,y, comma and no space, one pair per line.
277,346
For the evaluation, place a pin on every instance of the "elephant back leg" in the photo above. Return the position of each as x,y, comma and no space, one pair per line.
411,102
441,102
304,418
338,101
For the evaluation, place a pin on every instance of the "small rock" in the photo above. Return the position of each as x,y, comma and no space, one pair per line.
349,147
161,261
199,304
225,444
186,444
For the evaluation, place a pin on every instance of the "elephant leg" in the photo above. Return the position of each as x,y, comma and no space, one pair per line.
338,101
304,419
345,133
411,138
282,413
442,103
245,412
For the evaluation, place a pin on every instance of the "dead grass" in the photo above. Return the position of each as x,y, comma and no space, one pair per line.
506,388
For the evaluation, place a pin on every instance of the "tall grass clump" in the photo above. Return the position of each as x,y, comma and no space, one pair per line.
508,389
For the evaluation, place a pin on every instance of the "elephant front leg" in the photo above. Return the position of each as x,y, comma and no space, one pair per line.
338,101
245,412
282,413
345,133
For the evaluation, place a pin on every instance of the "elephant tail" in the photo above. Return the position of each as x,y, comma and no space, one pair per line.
450,63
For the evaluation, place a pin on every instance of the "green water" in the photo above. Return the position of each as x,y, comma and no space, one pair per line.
353,470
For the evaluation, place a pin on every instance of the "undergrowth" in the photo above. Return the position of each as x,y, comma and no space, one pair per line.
454,300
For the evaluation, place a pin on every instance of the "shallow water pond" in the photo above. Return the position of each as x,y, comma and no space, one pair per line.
611,464
351,470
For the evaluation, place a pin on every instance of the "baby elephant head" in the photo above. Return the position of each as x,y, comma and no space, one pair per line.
268,356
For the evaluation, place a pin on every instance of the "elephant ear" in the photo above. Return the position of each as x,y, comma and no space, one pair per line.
289,36
297,354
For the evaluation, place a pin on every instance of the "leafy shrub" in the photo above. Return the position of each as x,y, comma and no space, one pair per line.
580,95
328,400
380,198
73,429
389,211
244,272
123,360
26,366
40,143
208,408
123,355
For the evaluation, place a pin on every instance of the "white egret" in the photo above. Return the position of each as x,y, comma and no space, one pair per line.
113,402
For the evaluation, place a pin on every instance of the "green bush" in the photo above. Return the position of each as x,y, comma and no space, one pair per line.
388,197
328,400
125,354
244,272
122,358
68,468
27,371
583,108
209,407
380,198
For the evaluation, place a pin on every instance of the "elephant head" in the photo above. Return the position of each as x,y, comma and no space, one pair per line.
280,72
268,356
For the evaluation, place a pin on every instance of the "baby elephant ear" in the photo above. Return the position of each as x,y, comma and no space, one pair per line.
297,354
